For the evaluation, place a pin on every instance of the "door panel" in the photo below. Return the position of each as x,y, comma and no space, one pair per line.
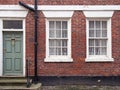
13,53
17,65
8,65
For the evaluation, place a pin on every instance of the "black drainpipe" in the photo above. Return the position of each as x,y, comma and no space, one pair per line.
36,42
35,10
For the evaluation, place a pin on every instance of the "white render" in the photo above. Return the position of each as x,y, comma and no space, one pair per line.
78,7
58,14
98,14
12,12
63,7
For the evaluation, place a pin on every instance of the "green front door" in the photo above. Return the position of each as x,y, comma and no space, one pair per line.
12,53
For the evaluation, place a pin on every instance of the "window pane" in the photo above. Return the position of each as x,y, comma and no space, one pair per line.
64,43
104,33
51,42
97,51
12,24
64,33
104,24
58,25
64,25
91,33
91,24
58,33
97,42
91,42
98,24
98,33
51,25
104,42
103,51
58,51
64,51
51,33
51,51
91,51
58,42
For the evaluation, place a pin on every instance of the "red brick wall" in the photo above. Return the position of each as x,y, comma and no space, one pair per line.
78,67
65,2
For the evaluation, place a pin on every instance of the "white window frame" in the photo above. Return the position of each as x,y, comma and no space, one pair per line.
100,58
99,15
57,58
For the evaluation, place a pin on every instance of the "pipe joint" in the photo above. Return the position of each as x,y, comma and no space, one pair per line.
36,43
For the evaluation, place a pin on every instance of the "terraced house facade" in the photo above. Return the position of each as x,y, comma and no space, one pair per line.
75,38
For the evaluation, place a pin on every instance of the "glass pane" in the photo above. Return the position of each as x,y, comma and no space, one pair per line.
58,43
103,51
91,42
97,42
64,51
91,33
12,24
58,51
91,50
98,24
64,25
98,33
64,43
52,43
91,24
51,51
104,33
58,33
64,33
97,51
58,25
51,33
104,42
51,25
104,24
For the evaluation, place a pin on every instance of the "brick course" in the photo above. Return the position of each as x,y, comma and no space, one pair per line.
65,2
78,67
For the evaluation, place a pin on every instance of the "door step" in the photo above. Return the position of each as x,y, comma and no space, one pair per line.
33,87
17,83
13,81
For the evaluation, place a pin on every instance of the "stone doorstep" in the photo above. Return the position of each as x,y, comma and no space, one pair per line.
13,80
33,87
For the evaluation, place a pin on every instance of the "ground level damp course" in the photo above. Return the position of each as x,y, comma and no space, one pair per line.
80,83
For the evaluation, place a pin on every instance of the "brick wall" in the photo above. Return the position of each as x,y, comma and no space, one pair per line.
78,67
65,2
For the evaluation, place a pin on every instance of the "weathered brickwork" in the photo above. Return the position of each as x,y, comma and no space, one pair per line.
65,2
78,67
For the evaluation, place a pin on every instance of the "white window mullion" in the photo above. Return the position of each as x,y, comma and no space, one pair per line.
61,40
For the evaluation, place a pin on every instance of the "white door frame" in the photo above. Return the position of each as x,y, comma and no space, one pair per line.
12,12
1,44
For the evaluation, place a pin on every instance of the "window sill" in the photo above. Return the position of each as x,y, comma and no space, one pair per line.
99,59
58,59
